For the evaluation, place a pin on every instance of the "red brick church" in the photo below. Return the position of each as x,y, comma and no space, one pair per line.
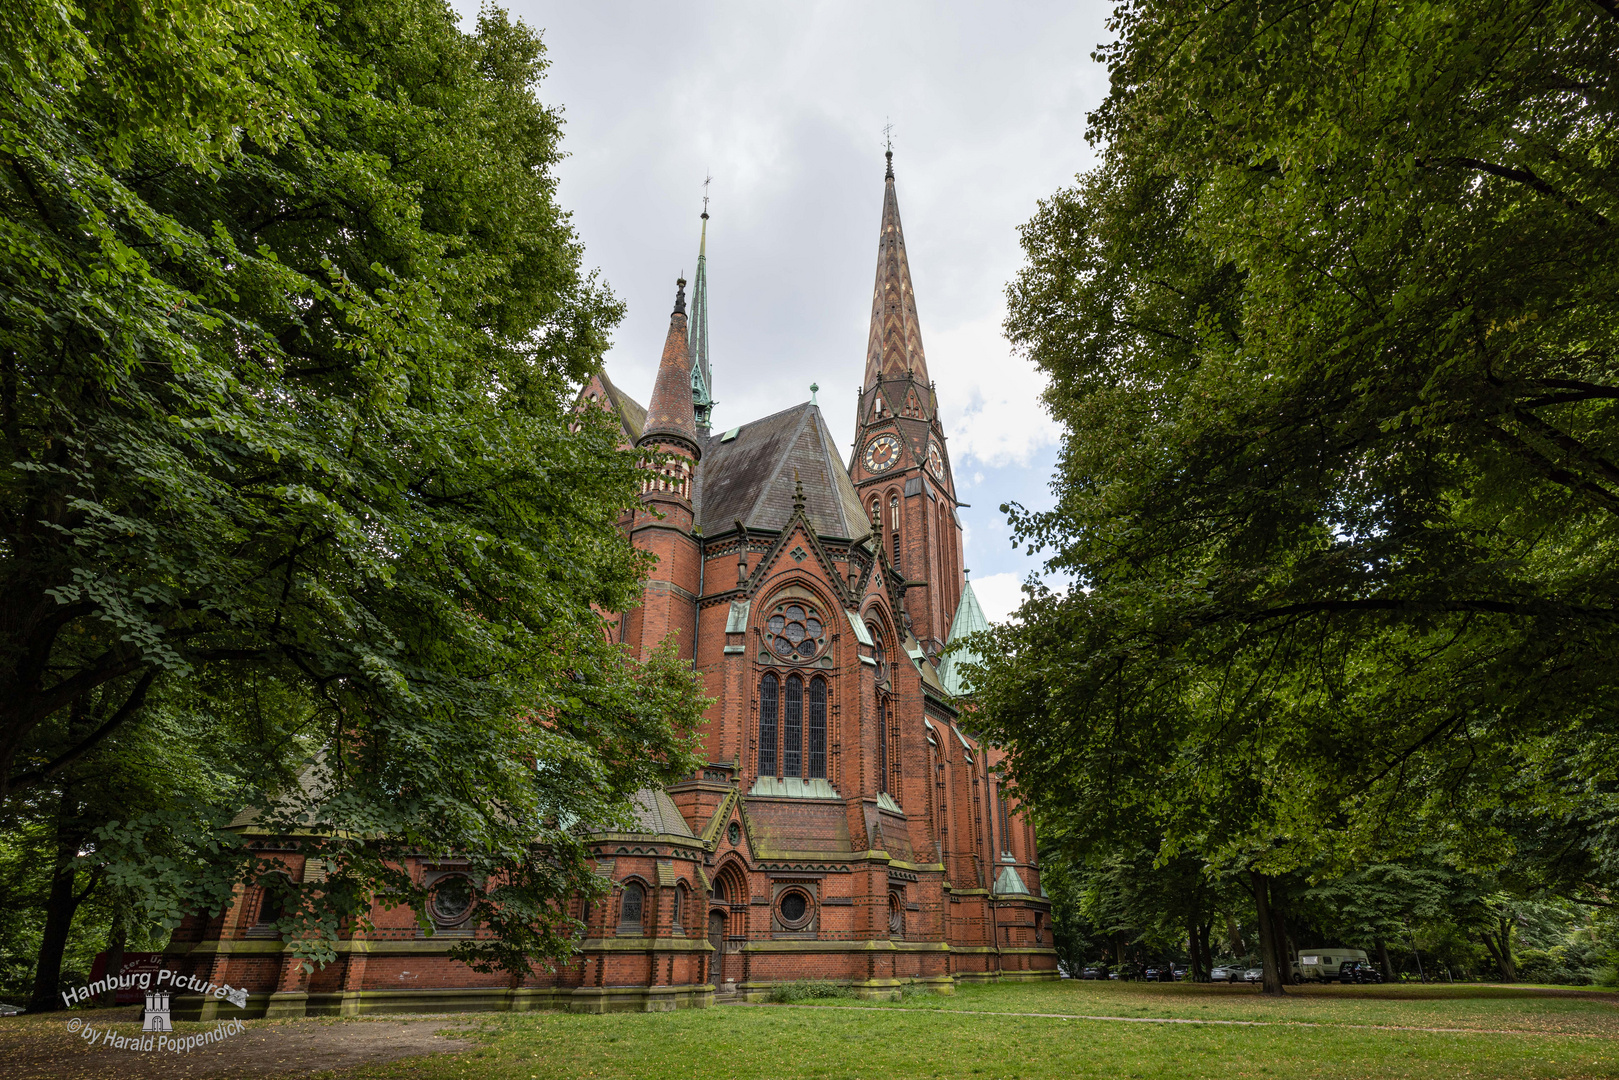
847,826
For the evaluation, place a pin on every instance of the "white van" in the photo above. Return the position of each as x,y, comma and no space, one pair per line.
1321,965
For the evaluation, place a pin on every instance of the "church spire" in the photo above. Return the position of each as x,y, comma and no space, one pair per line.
894,349
702,379
669,416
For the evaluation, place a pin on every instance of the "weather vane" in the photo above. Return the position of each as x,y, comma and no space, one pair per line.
888,137
708,178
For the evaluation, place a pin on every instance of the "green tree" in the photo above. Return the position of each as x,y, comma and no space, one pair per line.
290,326
1332,334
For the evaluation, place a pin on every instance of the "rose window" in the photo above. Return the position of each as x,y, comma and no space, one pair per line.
796,632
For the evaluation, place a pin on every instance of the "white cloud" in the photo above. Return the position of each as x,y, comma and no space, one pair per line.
999,595
998,418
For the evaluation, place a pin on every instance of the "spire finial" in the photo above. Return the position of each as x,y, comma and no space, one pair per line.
708,178
888,148
680,294
814,389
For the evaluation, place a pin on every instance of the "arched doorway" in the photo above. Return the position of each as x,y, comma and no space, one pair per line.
716,938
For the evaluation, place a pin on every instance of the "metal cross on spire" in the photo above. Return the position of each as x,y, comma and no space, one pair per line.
888,147
708,178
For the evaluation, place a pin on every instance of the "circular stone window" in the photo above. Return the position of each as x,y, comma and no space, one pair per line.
794,910
734,833
796,632
451,900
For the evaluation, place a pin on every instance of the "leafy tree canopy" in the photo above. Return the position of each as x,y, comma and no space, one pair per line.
1333,331
290,323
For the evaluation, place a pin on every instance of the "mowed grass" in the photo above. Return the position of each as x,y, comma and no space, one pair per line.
933,1038
1511,1008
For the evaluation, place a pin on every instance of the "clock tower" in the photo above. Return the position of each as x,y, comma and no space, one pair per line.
900,466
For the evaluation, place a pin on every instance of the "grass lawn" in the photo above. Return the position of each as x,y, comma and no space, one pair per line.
1546,1036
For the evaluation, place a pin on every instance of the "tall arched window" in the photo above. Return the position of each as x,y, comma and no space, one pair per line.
680,902
792,742
1006,833
817,729
630,908
893,524
882,743
768,693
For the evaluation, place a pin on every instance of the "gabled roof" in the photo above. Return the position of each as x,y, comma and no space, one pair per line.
748,475
630,412
969,620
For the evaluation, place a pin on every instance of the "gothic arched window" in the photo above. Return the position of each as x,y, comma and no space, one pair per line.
792,728
795,632
680,902
769,688
630,908
893,523
882,743
817,729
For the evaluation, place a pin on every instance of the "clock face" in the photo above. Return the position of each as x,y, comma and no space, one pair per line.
882,453
935,459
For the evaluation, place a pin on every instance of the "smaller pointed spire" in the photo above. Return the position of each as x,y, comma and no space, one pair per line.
669,413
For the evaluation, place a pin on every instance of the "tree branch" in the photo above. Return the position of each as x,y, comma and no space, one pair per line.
131,705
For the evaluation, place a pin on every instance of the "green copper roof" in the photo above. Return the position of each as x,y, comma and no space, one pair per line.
969,620
702,380
1009,883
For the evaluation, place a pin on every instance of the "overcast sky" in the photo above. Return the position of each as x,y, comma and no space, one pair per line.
784,104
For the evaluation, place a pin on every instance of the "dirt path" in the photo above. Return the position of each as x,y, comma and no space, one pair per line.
44,1047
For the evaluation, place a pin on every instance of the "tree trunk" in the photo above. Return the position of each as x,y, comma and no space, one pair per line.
1499,944
1234,936
1272,982
1383,958
116,938
1284,942
60,909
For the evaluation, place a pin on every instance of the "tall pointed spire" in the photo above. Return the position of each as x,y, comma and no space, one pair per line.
702,379
894,349
669,416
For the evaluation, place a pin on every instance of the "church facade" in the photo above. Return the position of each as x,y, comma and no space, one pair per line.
846,825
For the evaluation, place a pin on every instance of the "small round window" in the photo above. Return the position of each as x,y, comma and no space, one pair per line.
794,909
796,632
451,900
734,833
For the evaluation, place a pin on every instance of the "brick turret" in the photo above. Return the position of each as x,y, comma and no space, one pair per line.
663,522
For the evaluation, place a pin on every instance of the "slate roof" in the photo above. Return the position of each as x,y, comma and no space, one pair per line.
749,477
969,620
630,411
655,812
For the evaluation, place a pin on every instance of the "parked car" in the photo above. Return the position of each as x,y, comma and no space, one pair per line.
1180,973
1094,973
1323,966
1359,971
10,1010
1226,973
1254,975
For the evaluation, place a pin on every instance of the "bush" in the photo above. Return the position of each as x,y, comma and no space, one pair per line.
807,990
